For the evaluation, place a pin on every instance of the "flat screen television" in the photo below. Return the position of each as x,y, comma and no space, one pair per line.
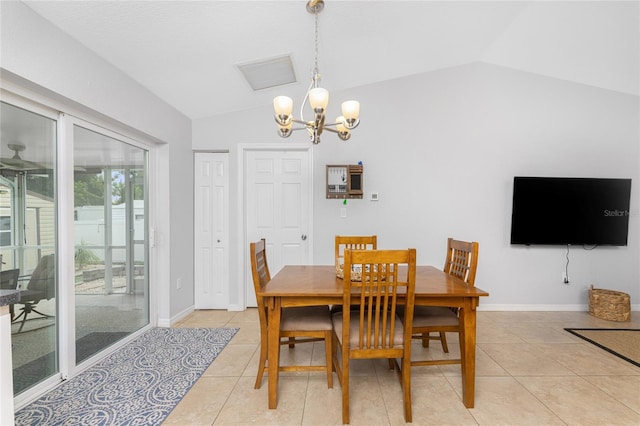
575,211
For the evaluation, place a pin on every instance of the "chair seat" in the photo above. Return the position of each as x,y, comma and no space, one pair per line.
306,318
434,316
354,329
32,296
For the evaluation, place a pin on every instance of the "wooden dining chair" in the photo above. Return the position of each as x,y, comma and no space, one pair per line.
372,328
352,242
298,324
41,285
461,261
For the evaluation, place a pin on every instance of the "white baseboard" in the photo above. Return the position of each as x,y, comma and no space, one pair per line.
163,322
168,322
235,308
541,308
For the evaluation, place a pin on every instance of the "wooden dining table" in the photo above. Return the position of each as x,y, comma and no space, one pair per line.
314,285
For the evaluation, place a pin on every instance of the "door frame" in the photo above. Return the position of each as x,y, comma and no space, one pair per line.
243,257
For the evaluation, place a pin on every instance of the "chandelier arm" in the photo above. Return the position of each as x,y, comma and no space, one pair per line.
305,123
342,135
353,125
349,127
332,124
306,98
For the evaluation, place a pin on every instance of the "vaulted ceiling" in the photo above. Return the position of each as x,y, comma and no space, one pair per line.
187,52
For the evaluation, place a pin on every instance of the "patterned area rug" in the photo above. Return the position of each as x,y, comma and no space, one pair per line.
139,384
624,342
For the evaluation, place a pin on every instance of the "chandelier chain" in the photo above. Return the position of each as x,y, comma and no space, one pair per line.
316,70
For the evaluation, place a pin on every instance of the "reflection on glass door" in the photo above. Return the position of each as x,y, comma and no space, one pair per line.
111,251
28,241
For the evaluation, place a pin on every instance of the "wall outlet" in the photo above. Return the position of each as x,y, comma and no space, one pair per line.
179,283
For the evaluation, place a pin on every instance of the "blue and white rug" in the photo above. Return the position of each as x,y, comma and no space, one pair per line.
139,384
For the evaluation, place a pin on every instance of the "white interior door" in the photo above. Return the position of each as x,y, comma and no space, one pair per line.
278,194
211,239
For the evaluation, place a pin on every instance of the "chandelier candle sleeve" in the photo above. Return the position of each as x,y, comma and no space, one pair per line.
285,131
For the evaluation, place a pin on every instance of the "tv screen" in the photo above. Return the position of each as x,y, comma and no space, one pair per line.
576,211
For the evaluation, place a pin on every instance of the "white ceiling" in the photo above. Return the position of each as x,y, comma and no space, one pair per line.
186,52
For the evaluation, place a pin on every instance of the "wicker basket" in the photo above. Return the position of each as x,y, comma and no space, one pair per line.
356,273
609,305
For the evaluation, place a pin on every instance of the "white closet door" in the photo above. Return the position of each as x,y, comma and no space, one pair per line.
211,174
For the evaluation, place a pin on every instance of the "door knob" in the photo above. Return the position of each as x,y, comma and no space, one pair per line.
304,237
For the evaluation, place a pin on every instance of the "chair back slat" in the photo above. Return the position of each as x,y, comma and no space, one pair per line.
462,260
378,294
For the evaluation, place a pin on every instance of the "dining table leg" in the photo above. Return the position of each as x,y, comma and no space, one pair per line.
273,348
468,351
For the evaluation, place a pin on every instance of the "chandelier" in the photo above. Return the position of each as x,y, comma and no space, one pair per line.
318,99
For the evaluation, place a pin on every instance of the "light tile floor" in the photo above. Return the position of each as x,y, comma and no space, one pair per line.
529,372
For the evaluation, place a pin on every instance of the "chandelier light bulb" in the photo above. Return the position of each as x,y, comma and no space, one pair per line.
283,105
351,112
318,98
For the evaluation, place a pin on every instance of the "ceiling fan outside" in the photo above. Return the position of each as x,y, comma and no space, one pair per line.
16,162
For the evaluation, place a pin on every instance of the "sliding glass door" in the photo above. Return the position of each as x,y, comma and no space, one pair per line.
111,251
74,215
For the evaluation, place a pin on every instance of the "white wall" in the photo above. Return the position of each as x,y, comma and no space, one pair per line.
442,148
36,54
